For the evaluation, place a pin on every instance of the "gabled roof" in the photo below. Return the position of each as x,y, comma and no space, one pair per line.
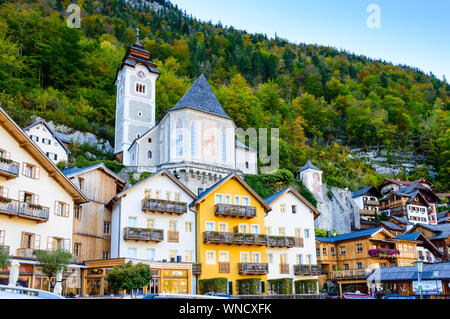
163,172
401,220
391,225
27,144
75,171
405,183
201,197
440,232
366,190
55,134
201,97
309,165
417,236
412,236
272,199
409,273
360,234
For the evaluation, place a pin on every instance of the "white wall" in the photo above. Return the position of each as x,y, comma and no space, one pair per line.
49,192
55,147
251,157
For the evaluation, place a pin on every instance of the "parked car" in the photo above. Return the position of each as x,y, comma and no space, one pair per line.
219,294
356,295
181,296
398,296
332,295
7,292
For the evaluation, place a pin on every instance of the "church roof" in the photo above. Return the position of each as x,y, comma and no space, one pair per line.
201,97
309,165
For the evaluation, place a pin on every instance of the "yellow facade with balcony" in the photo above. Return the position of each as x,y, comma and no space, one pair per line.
231,239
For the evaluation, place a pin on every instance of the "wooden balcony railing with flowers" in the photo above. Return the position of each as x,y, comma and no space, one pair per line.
384,253
150,205
307,270
253,269
236,238
14,208
8,168
225,210
143,234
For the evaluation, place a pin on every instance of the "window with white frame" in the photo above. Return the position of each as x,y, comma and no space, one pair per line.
256,257
2,237
52,156
224,256
188,227
193,139
268,230
179,139
107,228
140,88
210,226
244,257
269,258
210,257
299,259
255,229
132,252
218,198
224,145
298,232
150,223
223,227
243,228
237,200
188,256
306,233
228,199
245,201
132,221
151,254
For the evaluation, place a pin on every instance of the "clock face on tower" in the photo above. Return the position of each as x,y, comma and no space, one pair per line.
141,74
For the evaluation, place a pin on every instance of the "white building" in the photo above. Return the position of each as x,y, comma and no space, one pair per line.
53,144
195,140
151,221
292,215
36,199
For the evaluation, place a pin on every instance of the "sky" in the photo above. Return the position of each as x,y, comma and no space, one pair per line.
411,32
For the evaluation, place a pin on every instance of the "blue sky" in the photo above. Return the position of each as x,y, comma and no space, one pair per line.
413,32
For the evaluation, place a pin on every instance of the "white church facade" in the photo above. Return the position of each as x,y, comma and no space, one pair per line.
195,140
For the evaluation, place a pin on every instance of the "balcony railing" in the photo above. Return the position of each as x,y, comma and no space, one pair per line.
253,269
196,269
284,269
348,274
163,206
235,238
25,252
284,242
9,168
371,203
384,253
173,237
6,248
366,212
224,267
235,211
24,210
143,234
307,270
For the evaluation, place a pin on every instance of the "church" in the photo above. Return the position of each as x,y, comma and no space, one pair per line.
195,140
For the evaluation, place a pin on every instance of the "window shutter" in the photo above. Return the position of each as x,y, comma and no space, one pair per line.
67,244
37,172
66,210
21,196
37,241
24,165
49,243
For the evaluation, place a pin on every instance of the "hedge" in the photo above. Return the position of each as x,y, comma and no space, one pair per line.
212,285
281,286
250,286
305,287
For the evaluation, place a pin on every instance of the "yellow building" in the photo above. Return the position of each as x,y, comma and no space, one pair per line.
231,240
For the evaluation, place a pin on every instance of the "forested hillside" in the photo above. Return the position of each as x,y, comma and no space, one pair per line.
323,100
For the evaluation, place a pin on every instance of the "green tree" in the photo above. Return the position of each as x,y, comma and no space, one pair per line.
53,261
4,257
129,277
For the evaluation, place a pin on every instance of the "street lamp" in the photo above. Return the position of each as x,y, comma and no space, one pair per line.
419,265
436,276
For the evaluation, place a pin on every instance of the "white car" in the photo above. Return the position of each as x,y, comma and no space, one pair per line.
7,292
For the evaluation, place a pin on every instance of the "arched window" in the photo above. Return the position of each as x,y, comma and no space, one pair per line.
193,139
149,154
224,145
179,139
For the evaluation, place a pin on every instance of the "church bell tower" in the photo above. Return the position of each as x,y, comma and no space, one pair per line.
135,99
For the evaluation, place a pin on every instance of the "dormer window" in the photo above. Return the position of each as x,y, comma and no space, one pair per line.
140,88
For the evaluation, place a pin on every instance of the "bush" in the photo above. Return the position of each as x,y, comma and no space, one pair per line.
129,276
281,286
212,285
250,286
305,287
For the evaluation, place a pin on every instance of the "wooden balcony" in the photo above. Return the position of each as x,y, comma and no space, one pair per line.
236,211
235,239
143,234
6,248
384,253
224,267
150,205
371,203
351,274
9,169
284,242
253,269
367,212
25,252
196,269
284,269
14,208
307,270
173,237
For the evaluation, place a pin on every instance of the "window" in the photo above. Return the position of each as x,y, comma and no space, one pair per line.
308,259
237,200
246,165
268,230
210,257
294,209
281,231
224,256
57,243
283,259
243,228
2,237
179,139
306,233
62,209
346,267
107,228
324,250
244,257
219,198
360,266
173,225
228,199
177,197
140,88
343,251
151,254
245,201
256,257
77,212
106,255
77,249
193,139
223,227
149,154
224,145
167,195
210,226
148,193
46,141
269,258
52,156
132,253
172,255
34,138
299,259
255,229
298,233
150,223
359,248
132,221
283,208
157,194
318,252
149,140
81,183
333,251
188,256
188,227
30,171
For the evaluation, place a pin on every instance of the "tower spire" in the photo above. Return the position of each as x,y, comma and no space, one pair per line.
137,36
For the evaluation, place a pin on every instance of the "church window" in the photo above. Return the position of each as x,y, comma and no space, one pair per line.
193,139
149,154
246,165
224,145
179,139
140,88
